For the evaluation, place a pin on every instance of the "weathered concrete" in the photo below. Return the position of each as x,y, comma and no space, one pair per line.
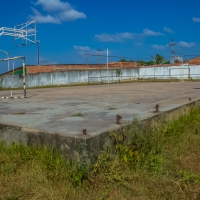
56,117
73,77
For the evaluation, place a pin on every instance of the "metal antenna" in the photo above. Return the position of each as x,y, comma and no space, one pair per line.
172,44
99,50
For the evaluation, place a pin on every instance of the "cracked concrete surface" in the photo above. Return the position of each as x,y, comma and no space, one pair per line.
69,110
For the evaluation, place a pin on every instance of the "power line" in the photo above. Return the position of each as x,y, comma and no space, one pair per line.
137,59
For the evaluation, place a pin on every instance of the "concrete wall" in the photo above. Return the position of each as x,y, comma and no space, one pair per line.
98,76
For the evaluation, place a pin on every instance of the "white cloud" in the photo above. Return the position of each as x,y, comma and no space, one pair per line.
87,50
186,44
82,48
159,47
53,5
57,11
120,37
148,32
168,30
109,38
71,15
43,19
138,44
195,19
127,35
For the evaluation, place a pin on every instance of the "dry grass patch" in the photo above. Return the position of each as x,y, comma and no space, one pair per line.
162,163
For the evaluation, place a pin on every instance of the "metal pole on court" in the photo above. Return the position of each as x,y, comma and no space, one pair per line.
107,65
8,63
24,76
38,42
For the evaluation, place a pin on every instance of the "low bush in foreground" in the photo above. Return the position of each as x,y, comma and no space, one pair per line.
163,163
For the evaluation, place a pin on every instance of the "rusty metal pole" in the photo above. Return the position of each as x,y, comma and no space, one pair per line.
118,117
157,108
84,132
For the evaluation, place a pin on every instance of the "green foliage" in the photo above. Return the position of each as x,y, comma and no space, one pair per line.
166,62
158,59
151,62
123,60
79,174
78,115
157,163
188,179
118,72
141,62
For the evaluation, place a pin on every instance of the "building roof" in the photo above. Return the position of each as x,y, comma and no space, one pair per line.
194,61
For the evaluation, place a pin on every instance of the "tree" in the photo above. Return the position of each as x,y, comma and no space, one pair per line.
166,62
123,60
118,73
141,62
151,62
159,59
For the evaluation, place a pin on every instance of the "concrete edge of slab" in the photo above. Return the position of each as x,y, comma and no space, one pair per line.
84,149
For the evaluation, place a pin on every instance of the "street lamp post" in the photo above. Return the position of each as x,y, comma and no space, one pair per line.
8,59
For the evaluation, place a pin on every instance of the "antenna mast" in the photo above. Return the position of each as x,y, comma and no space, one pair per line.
172,44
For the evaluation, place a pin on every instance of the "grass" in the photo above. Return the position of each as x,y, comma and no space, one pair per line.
19,113
78,115
162,163
112,108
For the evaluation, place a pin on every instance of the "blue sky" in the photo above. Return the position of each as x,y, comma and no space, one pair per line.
133,29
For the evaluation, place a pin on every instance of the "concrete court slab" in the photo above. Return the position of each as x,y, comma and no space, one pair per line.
56,110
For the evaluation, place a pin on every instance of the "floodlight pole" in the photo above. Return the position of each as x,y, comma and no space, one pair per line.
38,43
8,59
24,69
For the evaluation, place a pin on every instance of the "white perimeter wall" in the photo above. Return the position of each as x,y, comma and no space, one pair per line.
93,76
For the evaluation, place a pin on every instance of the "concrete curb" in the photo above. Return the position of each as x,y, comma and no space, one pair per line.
12,97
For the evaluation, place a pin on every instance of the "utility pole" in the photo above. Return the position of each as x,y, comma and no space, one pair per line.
87,57
172,44
99,50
